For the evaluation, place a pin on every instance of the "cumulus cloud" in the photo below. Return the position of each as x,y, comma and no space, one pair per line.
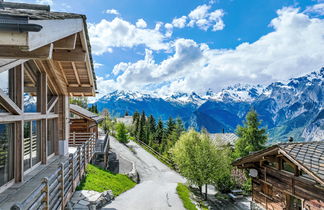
112,12
179,22
106,35
141,23
169,29
295,47
202,18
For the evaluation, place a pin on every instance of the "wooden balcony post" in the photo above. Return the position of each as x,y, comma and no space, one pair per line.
45,189
62,185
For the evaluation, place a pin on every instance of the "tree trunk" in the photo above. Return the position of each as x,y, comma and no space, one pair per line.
200,189
206,192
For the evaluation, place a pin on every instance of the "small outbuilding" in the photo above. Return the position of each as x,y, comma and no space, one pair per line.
83,121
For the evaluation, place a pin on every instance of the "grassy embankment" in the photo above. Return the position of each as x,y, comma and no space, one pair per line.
184,194
100,180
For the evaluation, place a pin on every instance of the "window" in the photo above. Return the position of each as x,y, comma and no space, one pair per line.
286,166
6,153
50,135
31,144
271,164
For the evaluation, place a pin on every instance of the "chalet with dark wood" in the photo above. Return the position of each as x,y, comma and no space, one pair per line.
45,57
287,176
83,121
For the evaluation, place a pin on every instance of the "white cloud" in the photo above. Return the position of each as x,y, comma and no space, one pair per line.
141,23
179,22
202,18
106,35
97,65
169,29
317,8
112,12
295,47
199,12
46,2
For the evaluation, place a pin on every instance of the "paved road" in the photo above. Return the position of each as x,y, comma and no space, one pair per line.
157,189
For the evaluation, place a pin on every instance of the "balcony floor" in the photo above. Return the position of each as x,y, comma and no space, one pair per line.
19,191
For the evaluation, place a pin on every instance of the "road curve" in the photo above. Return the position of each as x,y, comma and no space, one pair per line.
157,189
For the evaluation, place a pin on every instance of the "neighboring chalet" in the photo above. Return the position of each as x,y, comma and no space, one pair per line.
287,176
83,121
45,58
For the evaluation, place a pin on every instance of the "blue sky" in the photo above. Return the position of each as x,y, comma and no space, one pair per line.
185,45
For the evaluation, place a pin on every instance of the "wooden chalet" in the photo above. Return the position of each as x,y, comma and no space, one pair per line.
287,176
83,121
45,57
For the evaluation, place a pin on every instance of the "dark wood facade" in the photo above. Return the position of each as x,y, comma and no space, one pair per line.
283,180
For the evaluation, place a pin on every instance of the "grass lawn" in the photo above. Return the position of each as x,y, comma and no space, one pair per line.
100,180
184,194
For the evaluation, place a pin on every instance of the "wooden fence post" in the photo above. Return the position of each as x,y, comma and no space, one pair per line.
84,156
79,162
72,171
45,189
62,185
74,139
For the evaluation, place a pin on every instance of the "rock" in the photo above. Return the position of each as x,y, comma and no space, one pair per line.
68,206
87,199
105,198
83,202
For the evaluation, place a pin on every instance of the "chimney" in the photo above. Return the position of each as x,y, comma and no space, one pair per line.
291,139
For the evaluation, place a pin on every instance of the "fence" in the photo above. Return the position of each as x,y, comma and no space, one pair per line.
55,191
77,139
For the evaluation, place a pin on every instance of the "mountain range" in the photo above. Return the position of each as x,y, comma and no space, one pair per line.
287,109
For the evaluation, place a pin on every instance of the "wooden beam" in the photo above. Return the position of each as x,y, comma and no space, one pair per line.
52,103
19,151
76,73
67,43
83,38
30,89
80,89
16,53
6,118
8,104
63,73
69,55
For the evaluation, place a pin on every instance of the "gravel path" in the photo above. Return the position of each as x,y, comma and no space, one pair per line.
157,189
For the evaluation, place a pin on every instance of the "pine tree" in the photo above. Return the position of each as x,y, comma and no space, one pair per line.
170,126
136,119
126,113
251,137
159,133
179,128
141,129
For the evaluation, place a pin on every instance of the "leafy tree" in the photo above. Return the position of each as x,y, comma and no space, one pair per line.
159,133
80,101
198,159
121,133
251,137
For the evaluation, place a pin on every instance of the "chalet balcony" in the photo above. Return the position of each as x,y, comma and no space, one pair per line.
51,186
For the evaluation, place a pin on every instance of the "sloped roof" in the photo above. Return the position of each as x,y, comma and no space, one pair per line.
24,10
227,138
75,109
309,156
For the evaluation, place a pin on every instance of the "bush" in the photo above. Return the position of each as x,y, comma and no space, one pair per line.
184,194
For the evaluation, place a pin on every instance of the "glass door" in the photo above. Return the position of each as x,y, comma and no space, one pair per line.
31,144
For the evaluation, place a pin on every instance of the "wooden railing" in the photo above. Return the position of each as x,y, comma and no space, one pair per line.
77,139
55,191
